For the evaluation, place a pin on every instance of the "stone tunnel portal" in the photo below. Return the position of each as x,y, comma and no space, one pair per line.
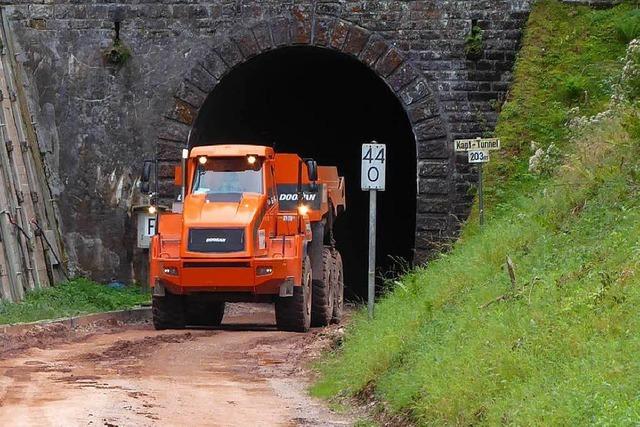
324,104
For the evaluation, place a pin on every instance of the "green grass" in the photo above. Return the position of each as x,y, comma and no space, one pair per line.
456,344
79,296
570,58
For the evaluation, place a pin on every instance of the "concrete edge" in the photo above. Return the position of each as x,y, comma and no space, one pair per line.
125,316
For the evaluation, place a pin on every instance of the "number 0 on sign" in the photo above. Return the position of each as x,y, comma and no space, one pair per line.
374,159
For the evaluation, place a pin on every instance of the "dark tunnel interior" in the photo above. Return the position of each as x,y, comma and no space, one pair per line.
324,104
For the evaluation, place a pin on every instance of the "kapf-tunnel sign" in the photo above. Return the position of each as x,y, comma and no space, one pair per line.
477,149
477,144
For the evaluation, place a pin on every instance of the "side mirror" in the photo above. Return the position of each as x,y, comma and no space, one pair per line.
178,178
146,171
146,175
312,167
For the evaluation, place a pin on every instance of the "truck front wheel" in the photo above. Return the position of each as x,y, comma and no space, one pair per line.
323,292
168,311
294,313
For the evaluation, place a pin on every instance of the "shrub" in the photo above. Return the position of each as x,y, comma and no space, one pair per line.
573,89
627,28
474,42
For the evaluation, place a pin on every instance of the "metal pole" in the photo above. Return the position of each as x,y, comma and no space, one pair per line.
481,194
372,250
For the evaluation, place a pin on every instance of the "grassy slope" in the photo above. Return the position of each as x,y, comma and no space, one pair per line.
68,299
562,349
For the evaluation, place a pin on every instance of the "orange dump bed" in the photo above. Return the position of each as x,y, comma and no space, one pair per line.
330,187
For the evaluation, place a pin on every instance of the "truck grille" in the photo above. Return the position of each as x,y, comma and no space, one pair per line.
216,240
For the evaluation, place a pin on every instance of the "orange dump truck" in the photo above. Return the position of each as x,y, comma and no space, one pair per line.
250,225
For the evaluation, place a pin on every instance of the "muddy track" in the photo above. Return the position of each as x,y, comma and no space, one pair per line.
246,374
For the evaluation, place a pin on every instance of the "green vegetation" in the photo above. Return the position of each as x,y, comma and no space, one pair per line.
459,343
628,27
474,43
118,53
78,296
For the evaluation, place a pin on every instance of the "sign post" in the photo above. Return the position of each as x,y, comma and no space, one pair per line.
373,159
478,152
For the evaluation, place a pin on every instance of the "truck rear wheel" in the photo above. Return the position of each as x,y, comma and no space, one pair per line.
338,285
294,313
204,313
323,292
168,311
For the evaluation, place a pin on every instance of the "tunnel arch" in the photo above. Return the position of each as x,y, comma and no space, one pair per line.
419,181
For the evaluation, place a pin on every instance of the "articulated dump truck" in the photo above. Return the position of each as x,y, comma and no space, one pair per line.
250,225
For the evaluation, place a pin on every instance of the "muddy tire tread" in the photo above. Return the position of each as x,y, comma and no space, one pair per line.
168,312
338,282
290,311
323,295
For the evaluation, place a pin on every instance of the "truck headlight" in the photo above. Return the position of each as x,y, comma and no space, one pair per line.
303,209
170,271
264,271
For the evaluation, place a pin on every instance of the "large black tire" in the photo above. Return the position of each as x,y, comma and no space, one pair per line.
168,311
338,285
294,313
203,313
323,292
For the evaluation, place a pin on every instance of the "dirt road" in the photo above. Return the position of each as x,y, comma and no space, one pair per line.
247,374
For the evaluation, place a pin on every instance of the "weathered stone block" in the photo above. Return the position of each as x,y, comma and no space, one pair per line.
229,52
339,35
356,40
280,32
301,26
202,79
422,110
434,149
246,42
169,149
434,186
322,30
190,94
389,62
415,92
174,131
433,205
430,168
262,33
430,129
426,222
183,112
214,65
374,49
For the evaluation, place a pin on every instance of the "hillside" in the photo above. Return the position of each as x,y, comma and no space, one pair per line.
456,342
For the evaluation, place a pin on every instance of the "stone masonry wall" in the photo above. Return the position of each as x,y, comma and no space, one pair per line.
96,121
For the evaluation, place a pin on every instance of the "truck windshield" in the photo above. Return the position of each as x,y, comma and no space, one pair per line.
228,175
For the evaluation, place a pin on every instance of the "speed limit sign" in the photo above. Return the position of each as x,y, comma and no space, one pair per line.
374,158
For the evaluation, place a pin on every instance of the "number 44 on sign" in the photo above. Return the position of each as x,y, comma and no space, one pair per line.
374,157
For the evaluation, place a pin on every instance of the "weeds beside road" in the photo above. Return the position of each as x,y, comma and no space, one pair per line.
80,296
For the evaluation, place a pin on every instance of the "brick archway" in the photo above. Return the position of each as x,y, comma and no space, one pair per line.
435,159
